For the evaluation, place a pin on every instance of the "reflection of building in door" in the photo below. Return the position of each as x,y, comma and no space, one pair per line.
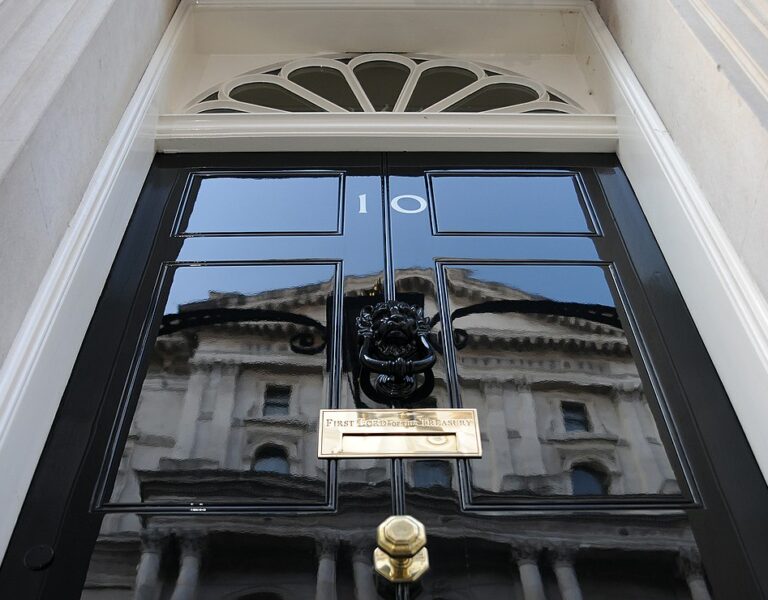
228,414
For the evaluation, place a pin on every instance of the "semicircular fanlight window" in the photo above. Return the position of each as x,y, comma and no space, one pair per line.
328,83
438,83
272,95
491,97
381,82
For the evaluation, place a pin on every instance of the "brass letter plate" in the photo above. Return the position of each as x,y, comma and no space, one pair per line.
395,432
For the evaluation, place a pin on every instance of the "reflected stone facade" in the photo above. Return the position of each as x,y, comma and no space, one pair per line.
227,416
556,392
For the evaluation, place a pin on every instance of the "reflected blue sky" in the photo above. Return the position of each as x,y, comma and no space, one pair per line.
508,203
562,283
192,284
266,204
310,202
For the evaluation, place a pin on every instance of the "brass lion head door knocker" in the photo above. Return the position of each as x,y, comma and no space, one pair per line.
395,350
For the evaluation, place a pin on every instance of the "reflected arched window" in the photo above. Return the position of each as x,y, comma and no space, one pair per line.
271,459
431,473
588,481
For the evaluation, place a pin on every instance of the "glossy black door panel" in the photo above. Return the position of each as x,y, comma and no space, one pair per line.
183,461
298,202
505,202
290,553
542,355
227,412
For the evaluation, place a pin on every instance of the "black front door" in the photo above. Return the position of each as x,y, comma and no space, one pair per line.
184,463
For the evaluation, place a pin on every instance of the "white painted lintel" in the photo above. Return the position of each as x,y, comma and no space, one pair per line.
387,132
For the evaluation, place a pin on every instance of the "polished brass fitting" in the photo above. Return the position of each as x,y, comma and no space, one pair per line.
401,556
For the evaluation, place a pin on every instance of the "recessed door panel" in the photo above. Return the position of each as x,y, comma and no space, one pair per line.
298,202
542,354
500,202
227,411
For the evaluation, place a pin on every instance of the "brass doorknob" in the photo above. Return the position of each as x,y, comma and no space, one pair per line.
401,556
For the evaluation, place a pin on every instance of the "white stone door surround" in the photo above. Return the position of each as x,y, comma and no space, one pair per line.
729,311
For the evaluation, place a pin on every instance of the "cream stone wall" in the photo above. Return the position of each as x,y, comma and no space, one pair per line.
67,71
709,89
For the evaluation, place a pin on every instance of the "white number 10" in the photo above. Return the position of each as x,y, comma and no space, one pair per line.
395,204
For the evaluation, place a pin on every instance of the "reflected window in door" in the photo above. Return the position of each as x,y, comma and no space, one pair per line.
575,417
589,481
271,459
277,400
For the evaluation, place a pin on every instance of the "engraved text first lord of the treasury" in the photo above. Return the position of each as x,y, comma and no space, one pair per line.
399,432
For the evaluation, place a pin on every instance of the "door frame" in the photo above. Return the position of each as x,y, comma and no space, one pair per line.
64,511
729,311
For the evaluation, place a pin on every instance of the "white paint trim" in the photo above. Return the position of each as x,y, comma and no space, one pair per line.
344,69
387,131
38,365
752,69
757,12
730,312
485,81
573,5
